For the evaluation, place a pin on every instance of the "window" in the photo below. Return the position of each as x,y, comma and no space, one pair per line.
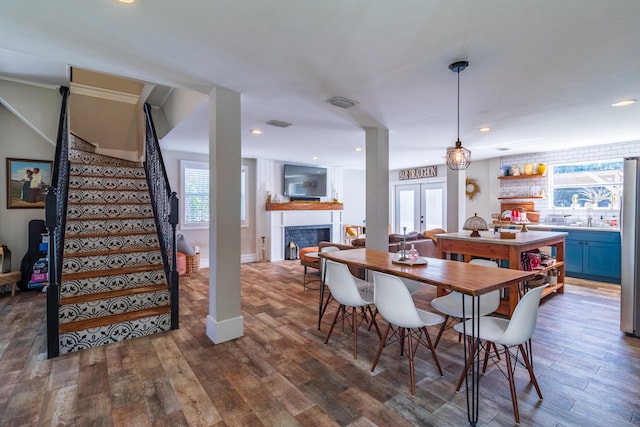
586,185
195,194
194,209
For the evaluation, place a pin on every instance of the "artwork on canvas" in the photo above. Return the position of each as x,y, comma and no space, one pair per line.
27,182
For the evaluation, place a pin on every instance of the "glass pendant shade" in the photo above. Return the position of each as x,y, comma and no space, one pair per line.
458,157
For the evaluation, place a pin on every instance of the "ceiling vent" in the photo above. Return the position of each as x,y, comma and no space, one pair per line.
279,123
342,102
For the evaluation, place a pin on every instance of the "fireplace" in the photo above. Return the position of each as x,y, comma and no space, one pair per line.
305,235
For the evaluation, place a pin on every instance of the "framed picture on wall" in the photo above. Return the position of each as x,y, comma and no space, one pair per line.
27,182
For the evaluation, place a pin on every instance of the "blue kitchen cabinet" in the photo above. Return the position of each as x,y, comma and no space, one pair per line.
593,255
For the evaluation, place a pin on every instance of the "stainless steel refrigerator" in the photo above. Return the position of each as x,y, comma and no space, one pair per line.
630,234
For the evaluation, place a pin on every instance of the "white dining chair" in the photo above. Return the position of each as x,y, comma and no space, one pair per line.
395,305
451,305
355,304
508,333
325,297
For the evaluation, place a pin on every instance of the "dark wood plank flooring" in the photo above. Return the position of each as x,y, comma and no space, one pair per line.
282,374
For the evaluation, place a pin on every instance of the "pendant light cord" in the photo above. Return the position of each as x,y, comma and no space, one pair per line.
458,104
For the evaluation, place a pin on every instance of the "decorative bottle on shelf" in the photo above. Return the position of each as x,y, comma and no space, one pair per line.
542,169
413,253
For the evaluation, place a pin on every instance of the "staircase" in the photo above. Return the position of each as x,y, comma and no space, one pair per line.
113,284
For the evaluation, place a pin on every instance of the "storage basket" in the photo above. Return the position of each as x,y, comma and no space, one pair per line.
538,280
193,263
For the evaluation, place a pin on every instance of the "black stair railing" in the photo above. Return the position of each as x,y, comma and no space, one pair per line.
165,209
55,221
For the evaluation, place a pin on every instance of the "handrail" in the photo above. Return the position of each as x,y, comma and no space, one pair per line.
55,220
165,208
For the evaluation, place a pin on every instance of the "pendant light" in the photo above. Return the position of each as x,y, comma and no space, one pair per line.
458,157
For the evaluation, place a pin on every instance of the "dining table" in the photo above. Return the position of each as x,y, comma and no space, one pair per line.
462,277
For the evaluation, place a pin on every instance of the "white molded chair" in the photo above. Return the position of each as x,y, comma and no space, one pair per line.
344,290
395,305
363,285
450,305
508,333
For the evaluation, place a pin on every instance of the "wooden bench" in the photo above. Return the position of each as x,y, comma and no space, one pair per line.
10,279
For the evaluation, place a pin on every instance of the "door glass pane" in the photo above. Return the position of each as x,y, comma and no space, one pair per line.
433,208
406,202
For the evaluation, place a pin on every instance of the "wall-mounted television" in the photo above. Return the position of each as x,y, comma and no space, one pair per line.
305,181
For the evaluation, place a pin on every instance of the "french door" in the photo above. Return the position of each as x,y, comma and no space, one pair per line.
420,207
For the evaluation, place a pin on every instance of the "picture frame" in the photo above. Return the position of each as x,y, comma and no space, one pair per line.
27,182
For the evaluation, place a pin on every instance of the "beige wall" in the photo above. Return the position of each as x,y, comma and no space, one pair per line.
17,140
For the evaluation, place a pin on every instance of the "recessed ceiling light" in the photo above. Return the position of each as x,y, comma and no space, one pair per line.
484,129
342,102
358,149
314,158
256,131
624,103
126,1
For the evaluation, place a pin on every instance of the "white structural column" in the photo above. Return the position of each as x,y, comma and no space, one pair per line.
377,183
224,321
456,202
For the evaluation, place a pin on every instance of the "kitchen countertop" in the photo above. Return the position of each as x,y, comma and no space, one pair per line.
548,227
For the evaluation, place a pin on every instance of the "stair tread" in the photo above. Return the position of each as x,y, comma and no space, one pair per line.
107,218
111,320
112,251
78,299
111,272
111,234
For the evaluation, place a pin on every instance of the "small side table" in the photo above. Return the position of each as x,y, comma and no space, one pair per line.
10,279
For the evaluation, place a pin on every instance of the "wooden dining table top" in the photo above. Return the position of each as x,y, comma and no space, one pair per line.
470,279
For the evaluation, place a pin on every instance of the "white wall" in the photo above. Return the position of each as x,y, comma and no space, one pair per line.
198,237
17,140
354,197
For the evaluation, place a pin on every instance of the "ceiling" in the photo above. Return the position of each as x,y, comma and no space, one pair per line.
542,74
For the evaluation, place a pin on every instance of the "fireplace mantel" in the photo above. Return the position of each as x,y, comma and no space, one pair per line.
304,206
303,214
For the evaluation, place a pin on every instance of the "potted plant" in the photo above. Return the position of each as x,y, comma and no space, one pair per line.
594,195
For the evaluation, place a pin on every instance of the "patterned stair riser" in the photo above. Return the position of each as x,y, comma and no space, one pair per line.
95,244
108,211
89,196
110,229
111,261
93,337
77,169
77,156
111,306
116,282
102,183
137,225
78,144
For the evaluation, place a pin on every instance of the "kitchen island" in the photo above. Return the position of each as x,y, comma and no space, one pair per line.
509,250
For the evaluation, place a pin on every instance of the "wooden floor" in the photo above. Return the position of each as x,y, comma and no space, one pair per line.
282,374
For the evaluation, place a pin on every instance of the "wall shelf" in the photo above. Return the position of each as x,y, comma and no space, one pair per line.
304,206
520,197
522,176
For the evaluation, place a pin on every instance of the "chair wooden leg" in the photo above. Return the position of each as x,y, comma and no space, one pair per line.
402,336
333,324
380,347
373,321
354,331
410,352
512,385
433,350
532,377
442,328
463,374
